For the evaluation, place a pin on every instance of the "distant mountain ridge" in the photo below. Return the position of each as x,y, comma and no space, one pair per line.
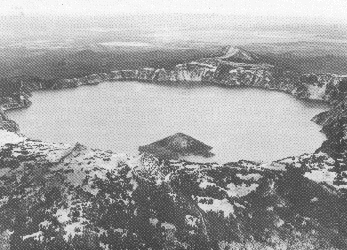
235,54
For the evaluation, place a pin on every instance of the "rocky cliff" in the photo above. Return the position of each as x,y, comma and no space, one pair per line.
236,68
6,123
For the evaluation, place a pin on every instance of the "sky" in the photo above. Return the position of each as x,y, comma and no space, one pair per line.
329,9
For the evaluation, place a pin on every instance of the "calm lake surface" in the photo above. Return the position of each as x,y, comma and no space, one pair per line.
239,123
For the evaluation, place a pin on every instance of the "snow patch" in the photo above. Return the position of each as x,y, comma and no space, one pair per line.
104,246
63,215
153,221
73,229
240,190
247,177
316,93
9,137
279,223
45,224
218,205
324,176
204,184
321,176
273,166
314,199
37,236
168,226
191,220
119,230
239,205
134,184
4,200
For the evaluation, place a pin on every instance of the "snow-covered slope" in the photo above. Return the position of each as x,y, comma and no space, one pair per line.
59,196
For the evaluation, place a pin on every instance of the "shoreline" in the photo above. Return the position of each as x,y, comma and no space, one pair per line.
28,103
205,71
204,85
173,83
197,75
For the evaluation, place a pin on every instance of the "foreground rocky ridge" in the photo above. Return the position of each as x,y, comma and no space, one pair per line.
236,68
59,196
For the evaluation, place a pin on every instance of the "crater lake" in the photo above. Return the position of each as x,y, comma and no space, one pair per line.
239,123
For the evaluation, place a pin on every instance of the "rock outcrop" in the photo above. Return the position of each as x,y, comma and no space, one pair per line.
334,122
6,123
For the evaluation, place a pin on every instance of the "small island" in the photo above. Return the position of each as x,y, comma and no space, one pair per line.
175,146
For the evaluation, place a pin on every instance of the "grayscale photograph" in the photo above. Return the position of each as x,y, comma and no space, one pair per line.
173,125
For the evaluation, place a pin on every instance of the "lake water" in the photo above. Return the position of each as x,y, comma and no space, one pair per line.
239,123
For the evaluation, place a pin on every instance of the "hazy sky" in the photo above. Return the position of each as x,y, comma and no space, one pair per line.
332,9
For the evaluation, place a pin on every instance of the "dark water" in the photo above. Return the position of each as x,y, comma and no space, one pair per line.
240,123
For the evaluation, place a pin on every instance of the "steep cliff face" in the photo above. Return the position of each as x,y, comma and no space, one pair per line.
333,124
325,87
58,196
6,123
